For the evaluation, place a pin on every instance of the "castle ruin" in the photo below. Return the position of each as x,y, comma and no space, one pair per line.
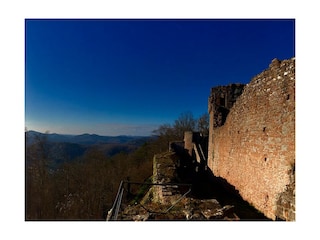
252,138
249,154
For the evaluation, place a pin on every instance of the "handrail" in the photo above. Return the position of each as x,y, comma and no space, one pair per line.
178,200
203,156
114,211
110,215
118,204
199,152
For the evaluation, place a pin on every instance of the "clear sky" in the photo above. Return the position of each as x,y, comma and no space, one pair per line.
126,77
263,43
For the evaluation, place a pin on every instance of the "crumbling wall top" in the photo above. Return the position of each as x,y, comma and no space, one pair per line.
221,101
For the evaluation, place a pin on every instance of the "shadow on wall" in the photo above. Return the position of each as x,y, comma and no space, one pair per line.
208,186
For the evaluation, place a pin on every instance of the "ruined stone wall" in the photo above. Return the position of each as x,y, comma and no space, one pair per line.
164,172
188,141
255,148
194,140
220,102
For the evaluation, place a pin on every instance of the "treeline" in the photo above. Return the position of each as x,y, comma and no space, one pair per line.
84,189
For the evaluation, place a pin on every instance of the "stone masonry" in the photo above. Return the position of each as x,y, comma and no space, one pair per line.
252,139
221,100
164,172
197,146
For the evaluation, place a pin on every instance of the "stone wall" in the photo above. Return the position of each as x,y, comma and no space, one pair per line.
221,100
254,148
196,146
164,172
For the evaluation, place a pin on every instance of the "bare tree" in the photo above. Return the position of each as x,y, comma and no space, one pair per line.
185,122
203,124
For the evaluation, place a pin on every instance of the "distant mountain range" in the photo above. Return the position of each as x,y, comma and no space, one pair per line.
84,139
64,148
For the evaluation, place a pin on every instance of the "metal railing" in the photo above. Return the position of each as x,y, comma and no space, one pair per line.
114,211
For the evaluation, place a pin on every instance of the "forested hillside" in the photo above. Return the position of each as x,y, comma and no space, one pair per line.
84,188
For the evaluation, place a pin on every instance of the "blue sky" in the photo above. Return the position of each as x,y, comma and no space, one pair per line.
126,77
275,41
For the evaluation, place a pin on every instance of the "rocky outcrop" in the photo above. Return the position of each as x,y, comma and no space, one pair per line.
188,209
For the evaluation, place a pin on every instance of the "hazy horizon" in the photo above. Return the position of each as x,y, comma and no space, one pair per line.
83,133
